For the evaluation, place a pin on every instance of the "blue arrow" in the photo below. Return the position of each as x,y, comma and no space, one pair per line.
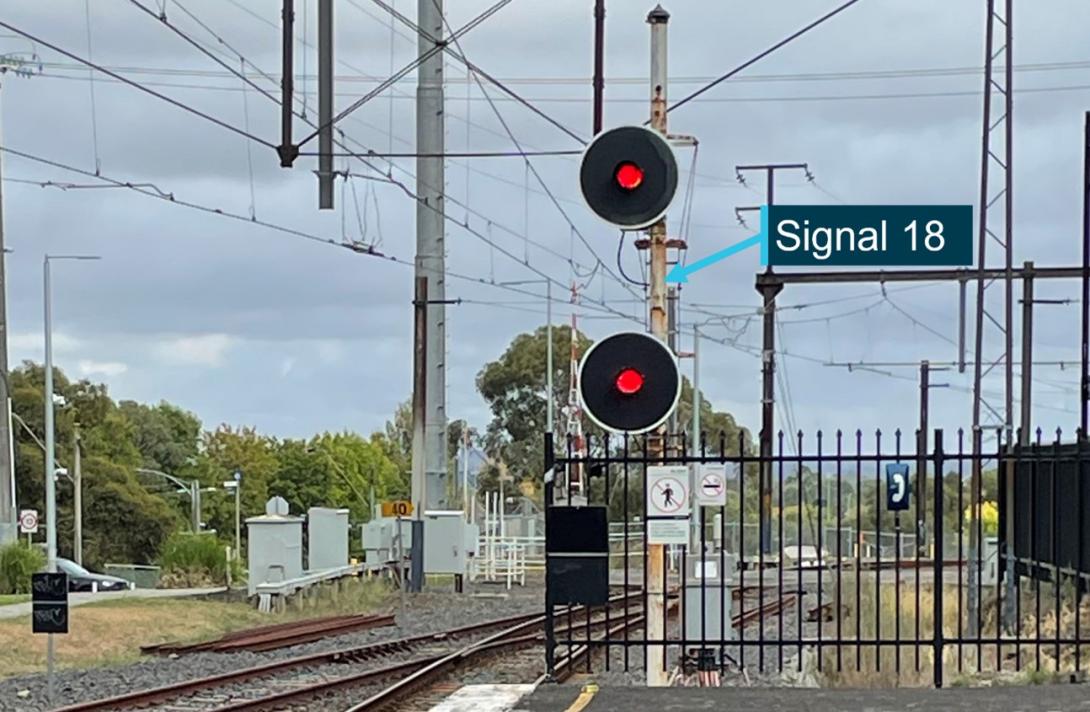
680,273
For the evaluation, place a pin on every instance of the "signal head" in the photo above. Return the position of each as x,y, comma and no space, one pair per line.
629,176
629,383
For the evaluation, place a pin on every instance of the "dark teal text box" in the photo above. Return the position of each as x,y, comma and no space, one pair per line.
868,235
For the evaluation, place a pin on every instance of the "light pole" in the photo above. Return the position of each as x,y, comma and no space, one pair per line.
50,467
192,489
549,347
236,485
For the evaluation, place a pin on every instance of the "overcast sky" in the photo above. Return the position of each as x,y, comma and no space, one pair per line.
246,325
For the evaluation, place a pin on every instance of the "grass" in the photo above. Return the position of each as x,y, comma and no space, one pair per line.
9,598
1013,664
111,632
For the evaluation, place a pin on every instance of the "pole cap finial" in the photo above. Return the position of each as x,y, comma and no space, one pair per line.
658,15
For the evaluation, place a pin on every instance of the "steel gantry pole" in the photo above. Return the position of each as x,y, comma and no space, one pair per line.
658,19
768,293
325,104
430,246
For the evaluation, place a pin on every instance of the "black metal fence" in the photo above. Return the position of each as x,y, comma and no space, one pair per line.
815,574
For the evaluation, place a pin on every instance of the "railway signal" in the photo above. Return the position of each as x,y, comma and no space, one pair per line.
629,383
629,176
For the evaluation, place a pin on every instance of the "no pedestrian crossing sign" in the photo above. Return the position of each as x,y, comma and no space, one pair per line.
668,505
668,492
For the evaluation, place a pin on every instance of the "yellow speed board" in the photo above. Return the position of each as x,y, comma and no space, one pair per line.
397,508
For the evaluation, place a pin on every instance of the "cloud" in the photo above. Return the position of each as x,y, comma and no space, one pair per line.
101,368
201,350
32,342
330,351
286,366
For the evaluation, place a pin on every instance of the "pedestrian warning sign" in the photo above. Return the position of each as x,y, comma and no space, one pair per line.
668,492
711,485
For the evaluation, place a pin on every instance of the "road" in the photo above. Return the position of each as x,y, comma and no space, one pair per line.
15,610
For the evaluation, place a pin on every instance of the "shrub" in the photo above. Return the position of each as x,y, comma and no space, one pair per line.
190,557
17,562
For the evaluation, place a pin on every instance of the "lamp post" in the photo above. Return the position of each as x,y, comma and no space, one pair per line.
50,465
236,485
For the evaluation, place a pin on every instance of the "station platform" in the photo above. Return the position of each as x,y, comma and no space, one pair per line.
562,698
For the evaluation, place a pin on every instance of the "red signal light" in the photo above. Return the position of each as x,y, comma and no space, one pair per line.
628,175
629,381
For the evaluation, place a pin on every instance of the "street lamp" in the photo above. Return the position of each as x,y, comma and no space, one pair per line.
236,485
50,465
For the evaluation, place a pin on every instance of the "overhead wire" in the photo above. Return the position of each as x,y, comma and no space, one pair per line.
478,73
753,60
136,85
420,59
529,164
302,101
154,191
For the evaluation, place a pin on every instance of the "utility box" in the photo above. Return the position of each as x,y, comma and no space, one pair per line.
445,542
275,548
327,538
472,540
380,539
714,598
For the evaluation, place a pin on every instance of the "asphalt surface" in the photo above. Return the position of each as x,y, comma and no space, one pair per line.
14,610
1043,698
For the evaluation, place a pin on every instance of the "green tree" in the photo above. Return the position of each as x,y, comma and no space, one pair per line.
223,451
167,436
121,520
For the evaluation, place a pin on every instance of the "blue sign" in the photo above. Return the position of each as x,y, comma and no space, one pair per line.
898,488
855,236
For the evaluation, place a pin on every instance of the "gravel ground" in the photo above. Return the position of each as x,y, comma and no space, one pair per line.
745,672
422,613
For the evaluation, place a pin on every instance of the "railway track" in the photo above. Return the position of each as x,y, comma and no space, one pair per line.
314,674
274,637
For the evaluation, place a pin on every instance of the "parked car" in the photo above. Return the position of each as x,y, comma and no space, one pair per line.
80,579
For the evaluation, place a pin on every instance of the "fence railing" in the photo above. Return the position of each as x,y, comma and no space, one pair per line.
814,573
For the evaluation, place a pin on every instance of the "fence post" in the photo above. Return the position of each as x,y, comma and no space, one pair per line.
937,584
550,632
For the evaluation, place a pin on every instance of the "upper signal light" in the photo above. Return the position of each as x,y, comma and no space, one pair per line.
629,176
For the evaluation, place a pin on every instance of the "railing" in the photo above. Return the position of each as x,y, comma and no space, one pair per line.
268,592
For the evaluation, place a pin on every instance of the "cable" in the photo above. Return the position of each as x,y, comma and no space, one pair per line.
423,57
446,216
452,154
620,265
477,71
135,85
153,191
358,156
762,55
530,166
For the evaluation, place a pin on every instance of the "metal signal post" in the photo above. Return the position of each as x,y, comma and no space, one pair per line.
656,553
